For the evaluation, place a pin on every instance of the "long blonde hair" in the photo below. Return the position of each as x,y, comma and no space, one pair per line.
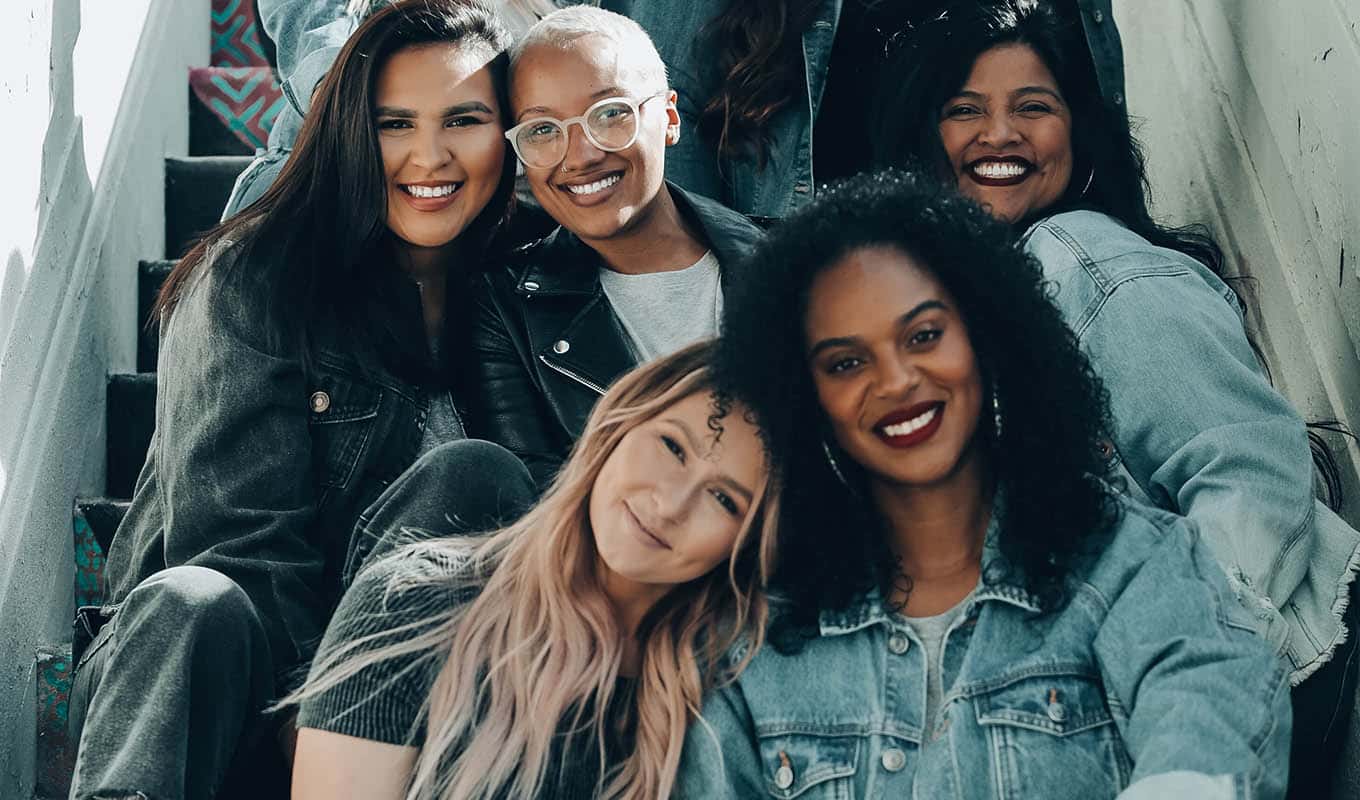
539,650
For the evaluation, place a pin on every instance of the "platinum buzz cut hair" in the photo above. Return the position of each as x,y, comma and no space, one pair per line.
564,26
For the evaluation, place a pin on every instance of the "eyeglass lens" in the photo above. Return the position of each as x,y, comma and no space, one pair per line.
609,126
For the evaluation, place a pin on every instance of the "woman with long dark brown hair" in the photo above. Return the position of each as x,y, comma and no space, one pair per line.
311,350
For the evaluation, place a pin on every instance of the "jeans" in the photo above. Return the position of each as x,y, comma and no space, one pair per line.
168,697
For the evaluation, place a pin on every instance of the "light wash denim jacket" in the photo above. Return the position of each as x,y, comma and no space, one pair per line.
1198,429
308,35
1149,683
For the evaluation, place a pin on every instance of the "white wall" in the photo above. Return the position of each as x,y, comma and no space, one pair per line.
1250,113
95,94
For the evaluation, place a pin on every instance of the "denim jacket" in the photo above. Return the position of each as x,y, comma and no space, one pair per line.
1149,683
259,467
1198,429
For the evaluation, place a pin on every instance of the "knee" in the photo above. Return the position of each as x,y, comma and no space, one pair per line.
194,595
475,468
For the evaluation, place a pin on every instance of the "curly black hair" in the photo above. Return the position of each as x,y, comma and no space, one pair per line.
1046,460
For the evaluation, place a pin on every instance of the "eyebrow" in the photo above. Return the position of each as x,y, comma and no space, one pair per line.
693,441
905,319
542,111
971,95
451,111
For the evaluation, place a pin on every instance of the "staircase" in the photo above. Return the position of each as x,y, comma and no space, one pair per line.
232,103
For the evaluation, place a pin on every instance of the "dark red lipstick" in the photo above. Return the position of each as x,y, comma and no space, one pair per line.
917,434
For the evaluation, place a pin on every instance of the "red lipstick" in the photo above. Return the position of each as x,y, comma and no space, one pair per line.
910,426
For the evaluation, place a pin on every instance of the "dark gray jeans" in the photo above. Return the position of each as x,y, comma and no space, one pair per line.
167,698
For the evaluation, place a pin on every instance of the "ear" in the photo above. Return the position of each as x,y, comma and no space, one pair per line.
672,118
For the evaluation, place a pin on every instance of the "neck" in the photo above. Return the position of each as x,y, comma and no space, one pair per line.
660,241
938,532
631,602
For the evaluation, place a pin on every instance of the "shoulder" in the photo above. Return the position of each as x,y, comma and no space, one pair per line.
1092,239
432,572
730,233
225,302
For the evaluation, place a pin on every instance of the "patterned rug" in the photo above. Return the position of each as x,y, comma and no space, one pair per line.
239,89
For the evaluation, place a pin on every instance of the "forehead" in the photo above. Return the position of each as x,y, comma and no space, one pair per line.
440,70
1009,66
869,286
562,77
737,452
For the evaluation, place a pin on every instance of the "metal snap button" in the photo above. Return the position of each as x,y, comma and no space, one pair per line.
1119,98
1098,16
561,346
898,643
320,401
1056,710
893,759
531,286
783,777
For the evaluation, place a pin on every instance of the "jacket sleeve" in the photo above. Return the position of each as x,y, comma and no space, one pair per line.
1201,430
1201,701
308,35
721,758
509,407
233,453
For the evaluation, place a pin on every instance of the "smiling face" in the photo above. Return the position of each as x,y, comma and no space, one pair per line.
443,149
669,502
594,193
894,368
1008,134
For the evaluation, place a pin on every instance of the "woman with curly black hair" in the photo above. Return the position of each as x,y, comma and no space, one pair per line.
967,609
995,96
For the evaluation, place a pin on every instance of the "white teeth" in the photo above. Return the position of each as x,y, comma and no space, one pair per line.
999,170
912,425
431,191
597,186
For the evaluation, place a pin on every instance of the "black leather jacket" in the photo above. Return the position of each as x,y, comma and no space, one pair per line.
548,343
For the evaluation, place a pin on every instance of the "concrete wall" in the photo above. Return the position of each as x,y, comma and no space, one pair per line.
1250,113
95,94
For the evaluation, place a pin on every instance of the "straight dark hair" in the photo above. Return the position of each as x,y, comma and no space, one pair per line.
314,250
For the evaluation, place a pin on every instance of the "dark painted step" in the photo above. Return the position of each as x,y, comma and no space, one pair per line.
150,276
101,516
131,419
196,190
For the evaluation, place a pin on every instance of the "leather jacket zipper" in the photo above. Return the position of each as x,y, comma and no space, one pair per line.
564,371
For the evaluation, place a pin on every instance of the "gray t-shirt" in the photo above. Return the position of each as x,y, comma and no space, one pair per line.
931,631
664,311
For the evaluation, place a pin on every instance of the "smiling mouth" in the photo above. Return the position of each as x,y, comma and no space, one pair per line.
594,187
645,530
1000,171
911,426
430,192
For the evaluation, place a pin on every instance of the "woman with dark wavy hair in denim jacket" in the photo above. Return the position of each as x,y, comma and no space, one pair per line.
311,350
962,607
1000,101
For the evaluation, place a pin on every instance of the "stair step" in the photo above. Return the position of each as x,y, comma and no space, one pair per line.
55,757
150,276
131,420
196,191
102,515
209,136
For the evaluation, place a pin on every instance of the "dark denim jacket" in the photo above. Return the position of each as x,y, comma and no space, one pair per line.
1149,683
259,468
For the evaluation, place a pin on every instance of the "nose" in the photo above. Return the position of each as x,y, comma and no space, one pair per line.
896,377
581,152
429,150
673,495
998,130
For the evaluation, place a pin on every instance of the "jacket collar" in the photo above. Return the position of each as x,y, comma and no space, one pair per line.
561,264
998,585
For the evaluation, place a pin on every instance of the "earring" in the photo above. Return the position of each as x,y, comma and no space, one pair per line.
996,414
835,467
1089,180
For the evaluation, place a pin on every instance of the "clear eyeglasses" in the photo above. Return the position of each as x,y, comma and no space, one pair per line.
610,124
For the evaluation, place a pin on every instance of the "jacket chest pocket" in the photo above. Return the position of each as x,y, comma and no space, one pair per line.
342,412
811,767
1052,736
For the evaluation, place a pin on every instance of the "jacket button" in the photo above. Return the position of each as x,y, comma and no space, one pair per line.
1057,712
893,760
531,286
561,346
898,643
783,777
320,401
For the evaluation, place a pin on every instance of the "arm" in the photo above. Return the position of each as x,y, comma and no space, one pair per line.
234,466
308,35
1200,428
509,408
721,758
333,766
1201,702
